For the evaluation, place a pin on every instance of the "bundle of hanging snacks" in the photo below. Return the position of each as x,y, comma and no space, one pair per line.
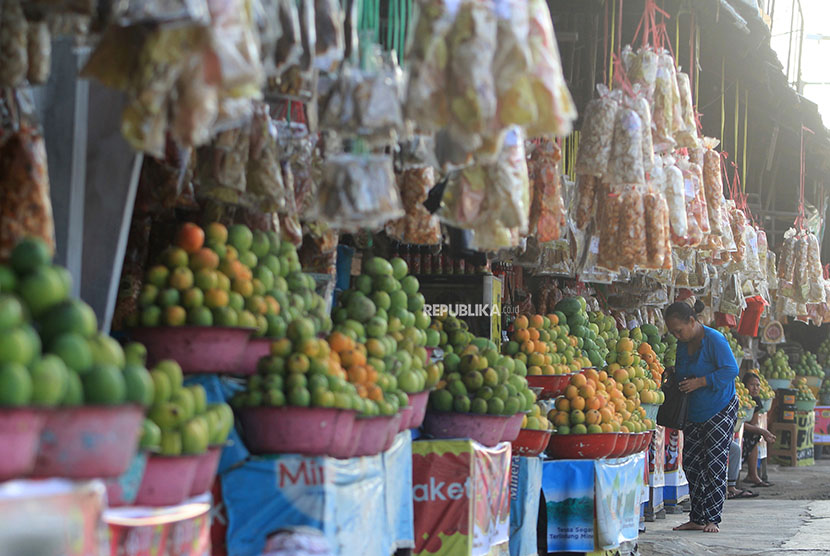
597,135
417,226
800,275
548,217
478,68
713,186
641,68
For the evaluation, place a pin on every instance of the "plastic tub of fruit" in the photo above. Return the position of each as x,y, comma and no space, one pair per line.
206,470
512,428
551,385
312,431
779,383
167,480
198,349
20,431
484,429
256,349
530,443
122,490
805,405
651,410
814,381
418,402
621,446
581,446
88,442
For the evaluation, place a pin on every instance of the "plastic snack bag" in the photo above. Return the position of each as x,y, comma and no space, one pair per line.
657,231
700,209
632,230
555,106
626,163
597,135
508,193
39,49
815,273
587,187
641,68
786,267
357,191
512,64
694,233
609,222
676,199
464,197
667,62
763,251
25,205
713,185
196,105
686,135
331,43
417,226
547,209
738,224
263,174
179,12
641,106
663,112
752,263
288,48
14,46
222,164
801,277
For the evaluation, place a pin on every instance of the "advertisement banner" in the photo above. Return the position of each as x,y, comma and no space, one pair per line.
397,469
674,475
821,433
657,459
568,488
619,494
461,499
525,490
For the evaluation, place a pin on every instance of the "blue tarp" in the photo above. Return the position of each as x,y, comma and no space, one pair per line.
525,491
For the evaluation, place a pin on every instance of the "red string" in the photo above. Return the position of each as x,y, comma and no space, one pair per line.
649,27
620,77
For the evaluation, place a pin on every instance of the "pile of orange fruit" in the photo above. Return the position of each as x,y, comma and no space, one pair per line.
545,347
351,358
596,402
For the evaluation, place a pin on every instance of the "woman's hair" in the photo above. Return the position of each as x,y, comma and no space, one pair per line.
682,311
749,376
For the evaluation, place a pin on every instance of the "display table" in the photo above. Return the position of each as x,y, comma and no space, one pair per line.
461,493
525,494
592,504
794,441
182,530
361,505
52,517
821,431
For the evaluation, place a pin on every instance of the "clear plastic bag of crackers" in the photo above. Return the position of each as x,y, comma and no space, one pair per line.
663,108
626,163
713,185
686,136
597,136
641,68
548,218
675,194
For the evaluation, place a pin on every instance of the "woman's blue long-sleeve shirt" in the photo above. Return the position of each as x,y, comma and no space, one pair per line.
714,360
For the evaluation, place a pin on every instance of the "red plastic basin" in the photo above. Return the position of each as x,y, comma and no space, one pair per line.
512,428
530,443
312,431
167,480
551,385
206,471
406,418
376,435
581,446
621,447
88,442
419,408
256,349
198,349
484,429
20,431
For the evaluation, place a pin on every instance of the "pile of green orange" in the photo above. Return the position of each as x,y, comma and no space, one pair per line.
384,310
229,277
180,420
545,345
51,353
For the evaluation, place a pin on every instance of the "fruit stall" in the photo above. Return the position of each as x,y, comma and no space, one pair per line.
378,277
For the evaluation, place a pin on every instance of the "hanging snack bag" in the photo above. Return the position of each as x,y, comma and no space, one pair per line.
263,176
609,224
547,209
511,66
686,135
695,234
556,111
801,275
597,136
738,224
633,253
508,192
641,106
713,185
641,68
786,268
700,210
658,248
331,42
587,187
13,44
626,163
663,112
675,194
815,293
417,226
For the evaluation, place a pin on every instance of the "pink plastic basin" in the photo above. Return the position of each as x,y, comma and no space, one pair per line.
88,442
484,429
256,349
206,470
419,408
581,446
346,446
312,431
376,435
20,431
530,443
551,385
512,428
198,349
167,480
406,418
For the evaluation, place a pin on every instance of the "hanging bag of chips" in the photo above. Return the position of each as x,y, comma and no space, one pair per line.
597,136
626,163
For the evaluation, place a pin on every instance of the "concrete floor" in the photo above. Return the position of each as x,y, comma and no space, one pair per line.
792,517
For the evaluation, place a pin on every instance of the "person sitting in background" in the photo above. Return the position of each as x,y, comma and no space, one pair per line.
733,471
753,433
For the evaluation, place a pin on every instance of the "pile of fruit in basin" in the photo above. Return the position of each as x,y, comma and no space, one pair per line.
52,356
746,406
824,351
737,349
808,365
805,400
777,367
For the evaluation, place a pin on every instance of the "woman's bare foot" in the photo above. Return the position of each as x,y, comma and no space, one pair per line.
711,528
689,526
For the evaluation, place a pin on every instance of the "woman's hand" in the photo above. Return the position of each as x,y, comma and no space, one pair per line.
768,436
688,385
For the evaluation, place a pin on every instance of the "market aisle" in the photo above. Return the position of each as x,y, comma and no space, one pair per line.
781,521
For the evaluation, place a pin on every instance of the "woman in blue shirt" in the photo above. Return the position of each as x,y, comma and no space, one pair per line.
707,370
